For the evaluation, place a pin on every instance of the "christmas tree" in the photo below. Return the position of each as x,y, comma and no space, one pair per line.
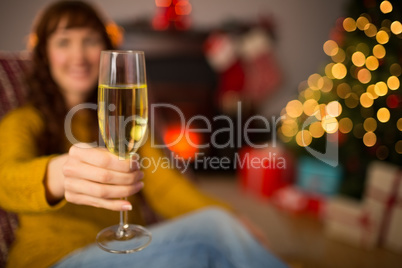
356,100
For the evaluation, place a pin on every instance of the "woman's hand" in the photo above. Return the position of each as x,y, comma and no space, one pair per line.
95,177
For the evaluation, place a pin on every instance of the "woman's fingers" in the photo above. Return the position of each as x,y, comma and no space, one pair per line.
100,190
95,177
81,199
102,158
77,169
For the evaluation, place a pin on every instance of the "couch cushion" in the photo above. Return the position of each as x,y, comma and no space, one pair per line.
13,67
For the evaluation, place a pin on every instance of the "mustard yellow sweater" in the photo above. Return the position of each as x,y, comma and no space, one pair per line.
48,233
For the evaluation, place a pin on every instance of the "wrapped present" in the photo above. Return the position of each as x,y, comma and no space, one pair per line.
261,172
383,201
297,201
347,220
317,177
290,199
393,235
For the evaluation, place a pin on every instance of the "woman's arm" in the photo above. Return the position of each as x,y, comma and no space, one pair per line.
33,183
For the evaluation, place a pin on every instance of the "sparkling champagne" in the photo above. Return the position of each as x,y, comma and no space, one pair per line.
123,117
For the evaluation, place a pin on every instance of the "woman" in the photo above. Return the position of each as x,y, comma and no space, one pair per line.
65,194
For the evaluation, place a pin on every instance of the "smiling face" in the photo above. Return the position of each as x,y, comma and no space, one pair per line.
73,56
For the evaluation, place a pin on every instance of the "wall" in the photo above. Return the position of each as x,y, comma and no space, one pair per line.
302,26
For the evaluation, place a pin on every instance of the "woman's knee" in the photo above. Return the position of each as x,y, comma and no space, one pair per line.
216,216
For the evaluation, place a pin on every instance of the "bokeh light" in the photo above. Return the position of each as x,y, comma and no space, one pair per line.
383,115
352,100
382,37
309,106
366,100
334,108
386,24
339,56
361,22
294,108
316,130
328,70
343,90
393,101
184,146
364,76
396,27
314,82
330,47
163,3
289,127
398,147
320,111
393,83
358,58
327,84
371,90
379,51
370,124
369,139
303,138
349,24
381,88
183,7
399,124
370,30
339,71
329,124
345,125
395,69
385,7
372,63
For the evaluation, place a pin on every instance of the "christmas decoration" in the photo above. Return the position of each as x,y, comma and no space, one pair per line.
376,219
245,61
346,220
383,189
182,143
356,100
172,15
316,177
297,201
262,172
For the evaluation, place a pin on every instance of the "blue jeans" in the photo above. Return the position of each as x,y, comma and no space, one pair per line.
206,238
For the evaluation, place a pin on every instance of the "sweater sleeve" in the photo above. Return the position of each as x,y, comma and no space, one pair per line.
22,172
167,190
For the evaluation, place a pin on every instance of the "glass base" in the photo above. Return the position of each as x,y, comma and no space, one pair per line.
131,238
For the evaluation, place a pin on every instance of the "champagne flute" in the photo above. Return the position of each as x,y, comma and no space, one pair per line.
123,118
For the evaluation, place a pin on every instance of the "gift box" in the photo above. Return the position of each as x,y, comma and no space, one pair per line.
261,172
377,219
317,177
294,200
393,235
348,221
383,201
290,199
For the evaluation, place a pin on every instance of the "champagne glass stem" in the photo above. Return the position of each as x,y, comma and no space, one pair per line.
123,224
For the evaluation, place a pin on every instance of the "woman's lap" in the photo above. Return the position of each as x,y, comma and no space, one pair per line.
207,238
